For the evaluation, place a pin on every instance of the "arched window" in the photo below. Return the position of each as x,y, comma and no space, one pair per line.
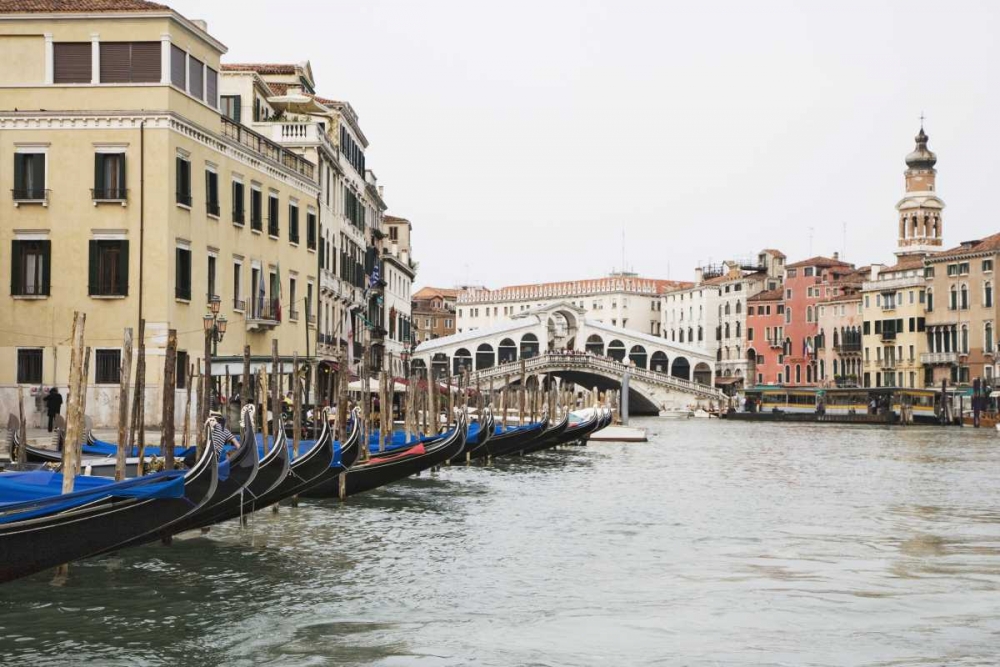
690,335
727,308
914,226
934,227
809,373
529,346
988,337
988,294
726,329
616,350
809,313
739,330
835,368
739,308
836,341
701,334
930,299
637,355
953,303
682,336
798,374
788,373
965,296
965,339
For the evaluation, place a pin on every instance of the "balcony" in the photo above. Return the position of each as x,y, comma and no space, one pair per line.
264,316
212,208
30,196
238,216
267,148
847,348
888,335
887,364
939,358
109,195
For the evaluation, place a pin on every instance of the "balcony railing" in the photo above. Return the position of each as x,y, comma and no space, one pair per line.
30,195
239,305
238,216
184,198
109,194
263,315
212,208
182,293
888,335
938,358
847,348
264,147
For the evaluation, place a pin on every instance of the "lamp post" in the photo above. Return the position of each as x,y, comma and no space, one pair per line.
215,329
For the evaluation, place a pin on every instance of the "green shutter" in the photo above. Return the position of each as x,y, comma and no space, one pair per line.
38,174
98,175
15,267
46,267
18,172
122,269
92,274
180,175
121,173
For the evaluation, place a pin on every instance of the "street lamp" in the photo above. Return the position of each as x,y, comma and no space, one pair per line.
215,329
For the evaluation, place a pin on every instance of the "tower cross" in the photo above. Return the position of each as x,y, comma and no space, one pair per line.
921,120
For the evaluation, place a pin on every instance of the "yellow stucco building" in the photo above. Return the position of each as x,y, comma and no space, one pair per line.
126,194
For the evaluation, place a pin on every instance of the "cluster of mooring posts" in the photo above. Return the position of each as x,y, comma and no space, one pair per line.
88,497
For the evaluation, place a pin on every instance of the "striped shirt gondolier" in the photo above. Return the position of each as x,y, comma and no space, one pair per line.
220,436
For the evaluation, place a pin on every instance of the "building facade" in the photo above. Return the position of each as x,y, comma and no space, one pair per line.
894,323
961,313
399,271
839,345
622,299
127,214
434,312
765,339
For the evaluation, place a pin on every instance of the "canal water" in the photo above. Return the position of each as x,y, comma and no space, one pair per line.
715,543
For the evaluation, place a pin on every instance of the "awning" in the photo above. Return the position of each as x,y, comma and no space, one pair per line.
726,381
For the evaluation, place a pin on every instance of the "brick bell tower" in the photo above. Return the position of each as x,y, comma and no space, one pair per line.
920,209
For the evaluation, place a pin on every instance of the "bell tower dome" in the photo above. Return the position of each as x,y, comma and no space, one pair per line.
920,209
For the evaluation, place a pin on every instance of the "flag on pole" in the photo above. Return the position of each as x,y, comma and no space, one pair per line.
375,276
277,292
350,341
261,295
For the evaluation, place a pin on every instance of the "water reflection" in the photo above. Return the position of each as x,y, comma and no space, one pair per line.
715,543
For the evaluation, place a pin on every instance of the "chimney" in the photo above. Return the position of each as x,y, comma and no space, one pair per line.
699,275
836,255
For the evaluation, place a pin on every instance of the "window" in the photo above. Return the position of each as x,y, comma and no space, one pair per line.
211,192
231,107
393,233
930,300
293,222
30,268
987,265
108,268
953,302
109,177
256,209
182,281
211,86
212,261
29,176
238,303
180,377
130,62
108,366
988,337
808,272
311,231
788,315
71,62
963,268
238,203
953,269
965,297
293,311
29,366
988,294
272,216
929,272
178,67
183,181
196,78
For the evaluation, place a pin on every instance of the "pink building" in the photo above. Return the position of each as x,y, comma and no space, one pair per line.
764,337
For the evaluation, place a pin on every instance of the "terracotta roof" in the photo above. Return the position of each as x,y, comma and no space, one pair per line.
260,68
632,284
776,253
905,263
277,88
988,244
395,220
770,295
852,296
78,6
823,262
431,292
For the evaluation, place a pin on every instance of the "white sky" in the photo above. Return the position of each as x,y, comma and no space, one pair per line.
521,138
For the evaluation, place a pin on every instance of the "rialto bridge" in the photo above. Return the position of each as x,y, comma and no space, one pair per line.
558,341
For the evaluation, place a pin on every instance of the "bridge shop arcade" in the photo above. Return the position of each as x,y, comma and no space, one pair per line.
557,341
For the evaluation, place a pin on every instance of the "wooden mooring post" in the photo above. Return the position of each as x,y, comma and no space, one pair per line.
169,400
125,373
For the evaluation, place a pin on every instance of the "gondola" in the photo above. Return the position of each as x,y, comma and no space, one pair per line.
99,524
243,464
476,442
381,470
515,439
327,484
272,470
303,471
100,466
577,432
552,436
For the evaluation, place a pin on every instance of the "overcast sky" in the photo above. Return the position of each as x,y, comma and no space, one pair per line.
522,138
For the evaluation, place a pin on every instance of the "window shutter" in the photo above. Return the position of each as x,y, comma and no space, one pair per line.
46,267
178,71
179,176
19,172
208,186
71,62
212,87
115,62
146,62
121,172
15,268
98,175
237,108
122,268
92,274
38,172
196,76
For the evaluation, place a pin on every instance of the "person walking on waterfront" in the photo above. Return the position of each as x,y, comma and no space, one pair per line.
53,405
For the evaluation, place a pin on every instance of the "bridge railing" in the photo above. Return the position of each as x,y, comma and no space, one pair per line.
588,360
